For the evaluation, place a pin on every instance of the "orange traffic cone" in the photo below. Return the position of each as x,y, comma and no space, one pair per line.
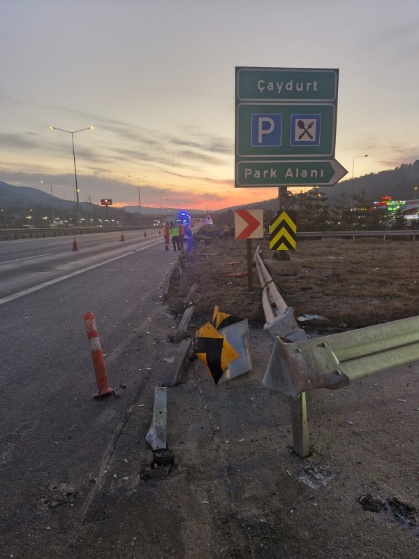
122,237
145,233
97,356
75,247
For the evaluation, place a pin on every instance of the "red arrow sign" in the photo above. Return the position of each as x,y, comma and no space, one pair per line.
249,224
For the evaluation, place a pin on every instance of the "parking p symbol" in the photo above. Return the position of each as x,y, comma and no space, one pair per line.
266,130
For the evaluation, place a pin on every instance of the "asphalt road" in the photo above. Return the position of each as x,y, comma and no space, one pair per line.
52,429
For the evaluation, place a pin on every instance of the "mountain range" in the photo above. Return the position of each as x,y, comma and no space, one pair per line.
402,183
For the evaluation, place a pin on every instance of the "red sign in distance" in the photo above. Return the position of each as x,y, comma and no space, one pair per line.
248,224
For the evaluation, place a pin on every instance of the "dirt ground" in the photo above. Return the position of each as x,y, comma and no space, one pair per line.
350,284
357,495
236,489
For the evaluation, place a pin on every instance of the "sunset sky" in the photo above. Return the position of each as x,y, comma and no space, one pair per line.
156,80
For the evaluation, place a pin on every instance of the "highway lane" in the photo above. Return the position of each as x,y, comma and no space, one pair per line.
52,429
27,263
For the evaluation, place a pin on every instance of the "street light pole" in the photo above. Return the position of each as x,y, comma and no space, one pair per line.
353,167
52,199
75,168
160,193
139,192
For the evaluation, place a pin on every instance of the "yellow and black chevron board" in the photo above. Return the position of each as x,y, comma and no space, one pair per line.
283,231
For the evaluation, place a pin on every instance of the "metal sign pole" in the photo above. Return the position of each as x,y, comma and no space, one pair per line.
249,265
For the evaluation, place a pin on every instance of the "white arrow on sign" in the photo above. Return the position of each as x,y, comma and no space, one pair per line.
339,172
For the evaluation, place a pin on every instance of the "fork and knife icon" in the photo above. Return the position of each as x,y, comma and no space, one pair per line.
302,126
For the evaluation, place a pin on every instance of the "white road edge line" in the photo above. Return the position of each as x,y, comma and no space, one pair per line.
27,258
62,278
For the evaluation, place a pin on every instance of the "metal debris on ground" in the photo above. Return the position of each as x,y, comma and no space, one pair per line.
305,317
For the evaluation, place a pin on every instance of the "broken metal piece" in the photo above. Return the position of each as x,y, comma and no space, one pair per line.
238,336
156,436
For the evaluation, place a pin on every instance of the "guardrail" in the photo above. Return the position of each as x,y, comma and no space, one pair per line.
298,364
15,234
383,233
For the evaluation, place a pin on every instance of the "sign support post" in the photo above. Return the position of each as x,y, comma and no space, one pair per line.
249,265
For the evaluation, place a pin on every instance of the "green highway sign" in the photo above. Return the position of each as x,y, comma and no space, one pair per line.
286,84
277,130
284,115
289,173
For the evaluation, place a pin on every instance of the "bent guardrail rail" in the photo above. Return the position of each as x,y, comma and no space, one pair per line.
299,364
333,361
280,320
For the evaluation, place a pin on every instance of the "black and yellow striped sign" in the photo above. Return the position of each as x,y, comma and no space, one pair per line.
214,351
283,231
221,319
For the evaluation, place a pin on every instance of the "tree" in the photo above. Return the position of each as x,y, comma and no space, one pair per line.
398,221
314,211
362,210
341,214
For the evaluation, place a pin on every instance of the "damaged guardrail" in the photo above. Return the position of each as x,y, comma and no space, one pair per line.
333,361
298,364
280,320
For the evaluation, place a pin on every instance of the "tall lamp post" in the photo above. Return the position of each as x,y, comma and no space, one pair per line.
139,192
52,199
353,167
160,193
74,159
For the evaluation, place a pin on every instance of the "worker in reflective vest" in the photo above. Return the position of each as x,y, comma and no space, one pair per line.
174,234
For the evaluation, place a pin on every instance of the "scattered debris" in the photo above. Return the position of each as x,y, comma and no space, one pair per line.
161,466
305,317
403,511
370,503
58,494
168,359
237,274
317,475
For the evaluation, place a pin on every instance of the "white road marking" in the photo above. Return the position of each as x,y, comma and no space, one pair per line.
27,258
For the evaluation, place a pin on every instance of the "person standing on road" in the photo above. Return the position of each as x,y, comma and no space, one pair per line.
181,234
188,237
174,234
166,235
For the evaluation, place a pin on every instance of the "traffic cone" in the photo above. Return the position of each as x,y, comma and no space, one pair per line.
75,247
145,233
97,356
122,237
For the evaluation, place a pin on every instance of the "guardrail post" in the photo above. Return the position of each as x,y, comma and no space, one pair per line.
299,425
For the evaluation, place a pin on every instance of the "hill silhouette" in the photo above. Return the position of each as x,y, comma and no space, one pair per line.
398,183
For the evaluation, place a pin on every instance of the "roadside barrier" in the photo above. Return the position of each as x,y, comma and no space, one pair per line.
75,246
299,364
279,317
97,357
